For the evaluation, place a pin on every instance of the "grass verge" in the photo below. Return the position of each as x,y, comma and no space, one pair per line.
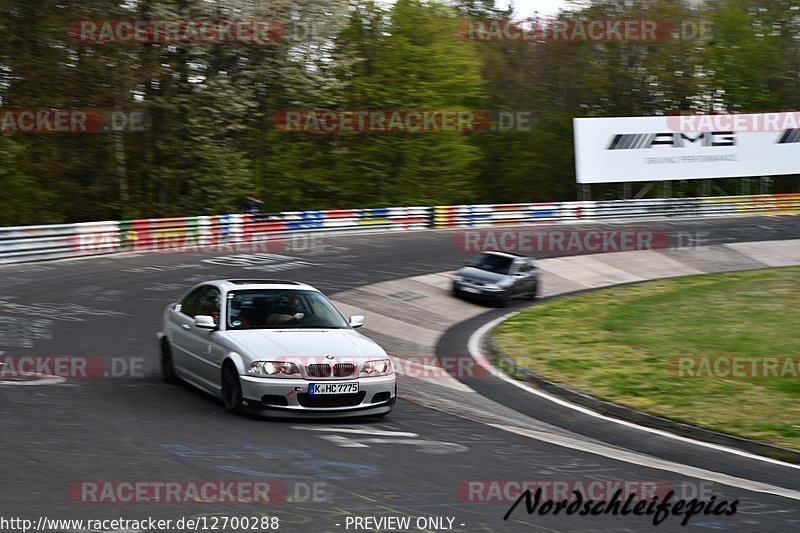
616,345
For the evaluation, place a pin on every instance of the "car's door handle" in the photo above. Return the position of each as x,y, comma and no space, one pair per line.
186,326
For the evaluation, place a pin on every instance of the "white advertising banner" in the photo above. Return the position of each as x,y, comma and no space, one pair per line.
679,147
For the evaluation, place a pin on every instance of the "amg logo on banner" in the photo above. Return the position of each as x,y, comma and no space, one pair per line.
791,135
634,141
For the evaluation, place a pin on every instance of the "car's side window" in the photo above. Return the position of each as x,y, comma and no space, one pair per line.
189,304
208,303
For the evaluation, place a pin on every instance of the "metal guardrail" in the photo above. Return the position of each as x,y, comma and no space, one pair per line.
459,216
255,232
235,232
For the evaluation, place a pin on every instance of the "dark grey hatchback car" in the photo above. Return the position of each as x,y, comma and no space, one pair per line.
498,277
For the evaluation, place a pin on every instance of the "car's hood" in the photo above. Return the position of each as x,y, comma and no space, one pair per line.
481,275
314,344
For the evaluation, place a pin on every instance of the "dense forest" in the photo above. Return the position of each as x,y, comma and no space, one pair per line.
209,134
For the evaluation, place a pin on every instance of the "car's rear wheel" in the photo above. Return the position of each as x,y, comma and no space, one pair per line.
167,362
231,388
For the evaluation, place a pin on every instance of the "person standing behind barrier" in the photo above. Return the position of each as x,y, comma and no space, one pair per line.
251,205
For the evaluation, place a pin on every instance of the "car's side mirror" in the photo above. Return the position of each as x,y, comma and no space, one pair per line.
204,322
356,321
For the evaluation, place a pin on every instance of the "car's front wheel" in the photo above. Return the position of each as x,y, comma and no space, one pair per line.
231,388
533,295
503,300
167,362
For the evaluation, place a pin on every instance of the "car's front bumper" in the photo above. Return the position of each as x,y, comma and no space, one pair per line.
290,398
258,408
464,288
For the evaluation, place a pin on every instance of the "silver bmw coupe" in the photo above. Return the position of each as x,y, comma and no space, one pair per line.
277,348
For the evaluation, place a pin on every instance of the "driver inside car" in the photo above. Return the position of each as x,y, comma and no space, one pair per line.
288,309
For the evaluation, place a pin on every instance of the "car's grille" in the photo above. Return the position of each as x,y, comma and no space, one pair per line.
330,400
324,370
342,370
319,370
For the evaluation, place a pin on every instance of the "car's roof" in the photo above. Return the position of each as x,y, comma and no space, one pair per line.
505,254
243,284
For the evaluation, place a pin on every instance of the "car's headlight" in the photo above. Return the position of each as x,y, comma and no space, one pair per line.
377,367
276,369
493,287
457,277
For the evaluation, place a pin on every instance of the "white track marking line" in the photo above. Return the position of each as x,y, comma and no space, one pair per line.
474,349
652,462
344,442
38,379
359,431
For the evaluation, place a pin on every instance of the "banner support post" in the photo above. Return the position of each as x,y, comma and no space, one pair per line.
644,190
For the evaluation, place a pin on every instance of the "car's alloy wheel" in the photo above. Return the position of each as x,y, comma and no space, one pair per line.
231,388
535,294
167,363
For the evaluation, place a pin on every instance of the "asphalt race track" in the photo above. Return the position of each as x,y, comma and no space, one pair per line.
127,425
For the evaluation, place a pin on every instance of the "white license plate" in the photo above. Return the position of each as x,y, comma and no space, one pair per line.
470,289
333,388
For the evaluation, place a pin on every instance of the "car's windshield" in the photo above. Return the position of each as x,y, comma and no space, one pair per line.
498,264
281,308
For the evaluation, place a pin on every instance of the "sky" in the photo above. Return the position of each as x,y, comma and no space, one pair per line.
527,8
